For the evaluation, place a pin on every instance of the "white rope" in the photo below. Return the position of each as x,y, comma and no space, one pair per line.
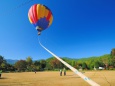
88,80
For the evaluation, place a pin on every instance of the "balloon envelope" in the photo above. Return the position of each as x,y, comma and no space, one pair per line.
40,16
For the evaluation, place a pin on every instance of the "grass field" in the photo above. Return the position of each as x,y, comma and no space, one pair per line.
104,78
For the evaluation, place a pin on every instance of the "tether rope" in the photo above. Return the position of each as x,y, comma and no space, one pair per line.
88,80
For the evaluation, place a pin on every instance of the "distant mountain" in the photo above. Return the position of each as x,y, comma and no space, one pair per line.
10,61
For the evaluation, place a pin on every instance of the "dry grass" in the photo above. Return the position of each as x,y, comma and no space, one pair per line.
104,78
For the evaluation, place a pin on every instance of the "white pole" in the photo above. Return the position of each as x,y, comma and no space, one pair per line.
88,80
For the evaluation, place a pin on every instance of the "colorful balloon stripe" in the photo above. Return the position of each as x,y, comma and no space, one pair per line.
40,16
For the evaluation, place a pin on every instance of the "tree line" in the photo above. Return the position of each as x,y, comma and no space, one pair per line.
106,61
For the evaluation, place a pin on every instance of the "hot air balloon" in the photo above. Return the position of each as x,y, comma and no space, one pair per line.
40,16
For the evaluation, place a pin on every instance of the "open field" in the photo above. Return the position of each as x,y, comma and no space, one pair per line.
104,78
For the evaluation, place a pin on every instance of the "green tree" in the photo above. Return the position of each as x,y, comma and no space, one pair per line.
3,64
49,63
96,64
1,59
48,66
42,64
73,63
37,63
29,60
113,57
105,60
10,67
84,65
36,66
29,63
113,52
21,65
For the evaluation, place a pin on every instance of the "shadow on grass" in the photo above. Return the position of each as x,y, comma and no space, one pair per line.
3,78
68,75
72,76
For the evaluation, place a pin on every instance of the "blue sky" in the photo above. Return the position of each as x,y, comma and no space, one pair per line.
81,28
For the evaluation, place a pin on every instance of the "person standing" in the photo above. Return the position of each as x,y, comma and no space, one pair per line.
60,72
35,71
64,71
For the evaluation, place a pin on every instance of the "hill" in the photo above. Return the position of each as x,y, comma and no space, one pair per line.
10,61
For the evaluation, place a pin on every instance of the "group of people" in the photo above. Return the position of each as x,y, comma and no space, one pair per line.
62,71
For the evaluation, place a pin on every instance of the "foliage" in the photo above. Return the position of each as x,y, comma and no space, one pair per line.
113,57
21,65
29,64
107,61
53,63
84,65
29,60
1,59
42,64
